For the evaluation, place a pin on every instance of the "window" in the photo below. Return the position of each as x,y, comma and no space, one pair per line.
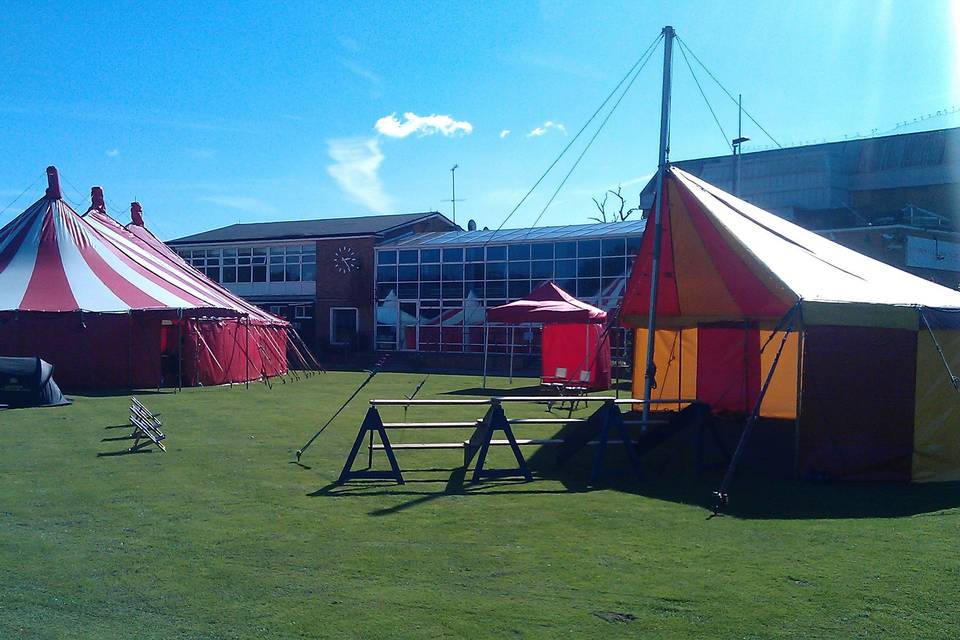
343,325
408,273
303,312
519,252
386,274
474,271
448,288
566,250
430,272
452,272
289,263
541,252
614,247
496,253
589,248
453,255
496,270
519,270
566,268
588,267
542,269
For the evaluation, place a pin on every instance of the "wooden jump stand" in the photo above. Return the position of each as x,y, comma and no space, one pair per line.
596,431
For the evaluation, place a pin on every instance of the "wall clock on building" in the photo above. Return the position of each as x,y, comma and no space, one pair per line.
345,260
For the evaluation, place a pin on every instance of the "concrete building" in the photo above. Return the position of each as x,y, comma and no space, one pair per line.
895,198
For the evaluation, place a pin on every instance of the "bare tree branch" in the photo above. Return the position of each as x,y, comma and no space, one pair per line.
601,207
620,214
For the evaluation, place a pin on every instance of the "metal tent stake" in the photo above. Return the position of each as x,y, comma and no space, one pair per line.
650,372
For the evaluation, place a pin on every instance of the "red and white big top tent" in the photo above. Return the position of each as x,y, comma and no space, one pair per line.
112,306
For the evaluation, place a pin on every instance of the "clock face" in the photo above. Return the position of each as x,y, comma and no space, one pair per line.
345,260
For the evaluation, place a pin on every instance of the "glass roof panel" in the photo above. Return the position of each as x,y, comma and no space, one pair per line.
467,238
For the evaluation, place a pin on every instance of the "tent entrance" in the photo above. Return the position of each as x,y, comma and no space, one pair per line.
170,351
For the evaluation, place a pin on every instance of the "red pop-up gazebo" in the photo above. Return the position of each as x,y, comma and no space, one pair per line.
575,347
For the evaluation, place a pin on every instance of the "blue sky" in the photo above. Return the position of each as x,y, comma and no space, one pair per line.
211,114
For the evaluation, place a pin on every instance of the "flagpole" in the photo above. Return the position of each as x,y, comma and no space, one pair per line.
649,372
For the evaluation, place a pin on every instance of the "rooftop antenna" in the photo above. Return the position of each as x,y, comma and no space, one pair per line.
736,144
453,188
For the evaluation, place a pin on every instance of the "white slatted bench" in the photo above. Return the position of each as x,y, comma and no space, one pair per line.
146,427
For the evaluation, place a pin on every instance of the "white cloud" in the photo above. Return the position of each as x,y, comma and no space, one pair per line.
112,153
242,203
547,126
392,127
504,133
358,161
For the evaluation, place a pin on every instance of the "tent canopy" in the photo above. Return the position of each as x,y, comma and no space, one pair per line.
725,260
547,304
861,374
52,259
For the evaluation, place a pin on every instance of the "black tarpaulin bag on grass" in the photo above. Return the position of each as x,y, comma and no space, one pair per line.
28,382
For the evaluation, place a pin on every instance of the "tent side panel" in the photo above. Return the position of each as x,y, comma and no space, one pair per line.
675,356
565,354
936,438
88,350
781,398
219,350
728,368
146,349
857,405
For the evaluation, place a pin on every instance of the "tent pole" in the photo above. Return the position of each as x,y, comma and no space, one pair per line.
246,353
511,355
650,373
486,347
130,348
586,351
179,350
616,380
796,421
721,497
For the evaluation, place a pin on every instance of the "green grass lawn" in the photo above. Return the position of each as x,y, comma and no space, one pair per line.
224,536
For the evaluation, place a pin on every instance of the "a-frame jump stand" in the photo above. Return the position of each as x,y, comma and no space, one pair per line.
479,444
597,431
371,424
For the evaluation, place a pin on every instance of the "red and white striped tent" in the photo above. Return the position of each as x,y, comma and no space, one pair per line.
111,306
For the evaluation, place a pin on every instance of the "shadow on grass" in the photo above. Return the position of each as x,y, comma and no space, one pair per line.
115,393
756,492
124,452
491,391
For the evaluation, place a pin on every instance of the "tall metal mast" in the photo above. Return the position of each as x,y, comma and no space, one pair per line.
453,195
649,373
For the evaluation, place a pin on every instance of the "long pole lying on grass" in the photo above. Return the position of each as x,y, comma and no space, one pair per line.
370,375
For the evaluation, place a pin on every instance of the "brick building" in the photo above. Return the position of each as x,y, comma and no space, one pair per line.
319,274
